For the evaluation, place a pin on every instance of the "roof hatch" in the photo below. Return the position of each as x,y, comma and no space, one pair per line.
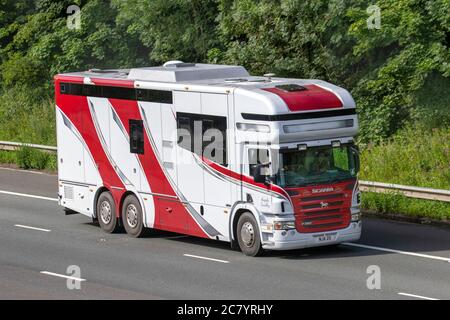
291,87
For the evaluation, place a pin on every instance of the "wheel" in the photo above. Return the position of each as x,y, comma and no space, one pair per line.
248,235
132,217
106,213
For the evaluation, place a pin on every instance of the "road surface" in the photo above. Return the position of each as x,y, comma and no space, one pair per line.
38,243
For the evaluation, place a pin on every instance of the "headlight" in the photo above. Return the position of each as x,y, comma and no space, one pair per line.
284,225
356,217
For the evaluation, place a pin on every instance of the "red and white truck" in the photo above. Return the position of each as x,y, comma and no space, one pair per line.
210,151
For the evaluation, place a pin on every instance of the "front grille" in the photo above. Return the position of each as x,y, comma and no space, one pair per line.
323,197
324,212
319,205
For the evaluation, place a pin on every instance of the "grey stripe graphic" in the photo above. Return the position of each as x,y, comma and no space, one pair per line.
105,146
224,177
74,130
209,229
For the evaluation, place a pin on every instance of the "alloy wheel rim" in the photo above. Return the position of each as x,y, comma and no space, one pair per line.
105,212
248,234
132,216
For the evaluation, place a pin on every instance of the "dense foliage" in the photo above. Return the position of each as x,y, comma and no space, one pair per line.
390,70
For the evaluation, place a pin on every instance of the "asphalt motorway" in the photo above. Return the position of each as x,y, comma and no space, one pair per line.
38,244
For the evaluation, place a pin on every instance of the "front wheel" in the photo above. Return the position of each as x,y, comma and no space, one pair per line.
132,218
248,235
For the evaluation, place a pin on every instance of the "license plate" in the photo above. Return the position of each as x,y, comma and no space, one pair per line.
325,237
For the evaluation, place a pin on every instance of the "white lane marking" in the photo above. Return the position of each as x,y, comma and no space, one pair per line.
27,195
61,276
205,258
420,255
32,228
416,296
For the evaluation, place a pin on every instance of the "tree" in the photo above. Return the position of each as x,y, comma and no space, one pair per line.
411,45
172,29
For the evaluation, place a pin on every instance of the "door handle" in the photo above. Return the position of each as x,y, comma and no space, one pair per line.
169,210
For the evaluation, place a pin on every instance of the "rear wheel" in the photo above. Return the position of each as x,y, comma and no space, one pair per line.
106,213
248,235
132,217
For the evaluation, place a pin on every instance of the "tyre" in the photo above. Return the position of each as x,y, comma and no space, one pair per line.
132,217
106,213
248,235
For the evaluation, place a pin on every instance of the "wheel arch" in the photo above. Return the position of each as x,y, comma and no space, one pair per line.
237,211
97,195
139,199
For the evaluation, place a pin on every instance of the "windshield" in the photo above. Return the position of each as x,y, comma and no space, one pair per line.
316,165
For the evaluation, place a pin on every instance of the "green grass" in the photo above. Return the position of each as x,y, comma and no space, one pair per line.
27,115
416,156
392,203
28,158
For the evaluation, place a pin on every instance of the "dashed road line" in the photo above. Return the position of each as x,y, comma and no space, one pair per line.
31,228
27,195
205,258
62,276
420,255
416,296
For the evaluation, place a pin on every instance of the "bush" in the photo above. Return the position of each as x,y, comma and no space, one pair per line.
415,156
27,115
398,204
28,158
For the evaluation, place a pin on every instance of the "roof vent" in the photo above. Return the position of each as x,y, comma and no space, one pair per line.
269,76
236,80
291,87
101,71
177,64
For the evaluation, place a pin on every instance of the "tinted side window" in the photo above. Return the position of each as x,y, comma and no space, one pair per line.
204,135
136,136
257,156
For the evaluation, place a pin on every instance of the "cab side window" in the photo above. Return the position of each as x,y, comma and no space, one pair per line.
255,157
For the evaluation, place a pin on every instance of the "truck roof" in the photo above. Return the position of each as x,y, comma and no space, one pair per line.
298,94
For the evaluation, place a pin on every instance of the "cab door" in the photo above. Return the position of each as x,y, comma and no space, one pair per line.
254,155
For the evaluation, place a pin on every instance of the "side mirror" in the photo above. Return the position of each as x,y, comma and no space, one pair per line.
355,153
258,174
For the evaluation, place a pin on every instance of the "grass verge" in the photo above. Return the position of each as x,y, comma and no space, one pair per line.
416,156
28,158
392,203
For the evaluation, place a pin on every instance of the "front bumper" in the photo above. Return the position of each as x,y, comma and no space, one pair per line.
294,240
